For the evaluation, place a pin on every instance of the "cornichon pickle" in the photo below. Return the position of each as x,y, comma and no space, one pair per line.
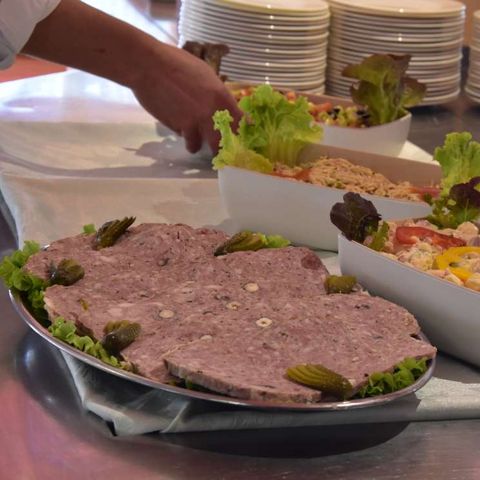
240,242
321,378
66,273
110,232
340,283
119,335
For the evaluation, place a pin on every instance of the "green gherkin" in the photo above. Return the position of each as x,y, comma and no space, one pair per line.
119,335
110,232
340,283
66,273
240,242
321,378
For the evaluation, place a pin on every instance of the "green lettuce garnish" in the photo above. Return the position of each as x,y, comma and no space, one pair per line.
276,241
233,151
384,87
459,199
67,332
89,229
404,374
273,130
379,238
462,204
459,159
29,286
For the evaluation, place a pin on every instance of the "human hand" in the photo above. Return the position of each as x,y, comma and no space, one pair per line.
183,93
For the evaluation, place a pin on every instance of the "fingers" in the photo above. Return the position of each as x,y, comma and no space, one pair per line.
237,115
213,140
212,136
193,139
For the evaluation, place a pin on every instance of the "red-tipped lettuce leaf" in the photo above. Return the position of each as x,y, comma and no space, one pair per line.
356,217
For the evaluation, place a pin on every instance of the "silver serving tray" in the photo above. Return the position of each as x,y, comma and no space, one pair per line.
217,398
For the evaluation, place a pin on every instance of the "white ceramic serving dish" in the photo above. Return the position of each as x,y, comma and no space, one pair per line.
301,211
387,139
447,313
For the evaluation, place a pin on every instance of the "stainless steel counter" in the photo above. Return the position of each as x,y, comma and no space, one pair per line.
45,434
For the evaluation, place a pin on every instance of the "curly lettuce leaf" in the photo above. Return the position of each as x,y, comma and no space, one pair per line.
379,238
384,87
29,286
404,374
459,159
67,332
276,241
11,265
89,229
277,128
233,151
356,217
461,204
273,130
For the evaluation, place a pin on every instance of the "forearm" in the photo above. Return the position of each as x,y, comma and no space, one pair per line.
180,90
79,36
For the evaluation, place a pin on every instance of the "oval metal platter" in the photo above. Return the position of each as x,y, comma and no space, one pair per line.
217,398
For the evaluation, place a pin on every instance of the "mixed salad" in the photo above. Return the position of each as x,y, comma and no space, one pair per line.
322,112
383,94
446,244
272,134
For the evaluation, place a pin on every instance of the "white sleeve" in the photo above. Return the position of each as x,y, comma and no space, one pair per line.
17,21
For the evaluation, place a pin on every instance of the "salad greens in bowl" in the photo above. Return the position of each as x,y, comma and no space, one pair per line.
378,119
430,265
384,92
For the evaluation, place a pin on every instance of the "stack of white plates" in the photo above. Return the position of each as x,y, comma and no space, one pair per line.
430,30
472,88
279,42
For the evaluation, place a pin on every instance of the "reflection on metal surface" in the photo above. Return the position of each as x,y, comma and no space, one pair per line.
220,399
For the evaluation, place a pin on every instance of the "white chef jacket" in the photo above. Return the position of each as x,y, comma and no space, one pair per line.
17,21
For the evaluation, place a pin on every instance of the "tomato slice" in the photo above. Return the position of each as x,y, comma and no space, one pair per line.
303,175
434,192
324,107
409,236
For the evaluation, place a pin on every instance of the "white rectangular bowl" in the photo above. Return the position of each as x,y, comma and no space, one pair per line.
386,139
447,313
300,211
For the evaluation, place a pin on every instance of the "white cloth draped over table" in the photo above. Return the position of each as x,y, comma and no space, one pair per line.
56,177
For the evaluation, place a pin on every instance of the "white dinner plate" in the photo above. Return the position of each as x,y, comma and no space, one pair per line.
391,24
288,64
349,42
319,8
280,72
225,14
405,8
299,7
395,37
257,36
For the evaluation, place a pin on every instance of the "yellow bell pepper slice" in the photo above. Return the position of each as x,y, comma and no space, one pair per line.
454,255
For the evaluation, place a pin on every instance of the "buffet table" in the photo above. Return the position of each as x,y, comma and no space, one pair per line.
46,433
